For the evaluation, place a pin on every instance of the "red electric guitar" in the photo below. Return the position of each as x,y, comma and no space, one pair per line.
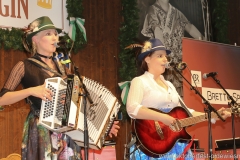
156,139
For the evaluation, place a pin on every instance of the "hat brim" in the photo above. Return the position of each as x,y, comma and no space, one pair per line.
29,37
143,55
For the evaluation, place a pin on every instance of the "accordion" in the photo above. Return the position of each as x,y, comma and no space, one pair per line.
69,117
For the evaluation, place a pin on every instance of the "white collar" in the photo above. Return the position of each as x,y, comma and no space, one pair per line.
152,76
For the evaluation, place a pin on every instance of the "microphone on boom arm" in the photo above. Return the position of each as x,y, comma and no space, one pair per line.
211,74
179,66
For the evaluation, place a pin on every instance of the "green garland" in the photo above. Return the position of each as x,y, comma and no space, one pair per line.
128,32
12,39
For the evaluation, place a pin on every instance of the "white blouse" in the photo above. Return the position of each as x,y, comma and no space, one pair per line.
144,91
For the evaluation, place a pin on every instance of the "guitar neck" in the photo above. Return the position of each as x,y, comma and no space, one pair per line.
197,119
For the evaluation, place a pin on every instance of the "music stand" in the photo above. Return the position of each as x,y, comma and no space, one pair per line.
224,144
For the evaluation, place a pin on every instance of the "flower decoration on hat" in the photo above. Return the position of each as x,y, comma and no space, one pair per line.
35,29
147,46
34,26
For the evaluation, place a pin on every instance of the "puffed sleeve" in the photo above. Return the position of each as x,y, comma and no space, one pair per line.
150,22
13,79
183,19
135,97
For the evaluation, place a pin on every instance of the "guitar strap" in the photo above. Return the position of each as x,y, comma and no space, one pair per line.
133,141
184,106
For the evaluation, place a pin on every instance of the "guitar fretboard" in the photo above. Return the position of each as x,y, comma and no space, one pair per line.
197,119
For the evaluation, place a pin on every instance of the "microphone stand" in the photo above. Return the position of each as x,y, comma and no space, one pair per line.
208,110
232,103
85,95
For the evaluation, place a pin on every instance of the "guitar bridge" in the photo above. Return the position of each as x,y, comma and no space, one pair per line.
159,130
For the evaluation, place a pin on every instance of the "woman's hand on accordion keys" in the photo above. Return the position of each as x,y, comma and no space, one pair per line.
114,129
41,92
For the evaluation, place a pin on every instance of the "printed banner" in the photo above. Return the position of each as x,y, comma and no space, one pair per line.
218,96
19,13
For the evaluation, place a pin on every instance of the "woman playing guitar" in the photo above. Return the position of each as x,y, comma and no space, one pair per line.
152,104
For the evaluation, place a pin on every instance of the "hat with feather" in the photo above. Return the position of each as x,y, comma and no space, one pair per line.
40,24
150,46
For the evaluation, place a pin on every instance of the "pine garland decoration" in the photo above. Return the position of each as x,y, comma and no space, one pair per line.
128,32
220,20
11,39
75,9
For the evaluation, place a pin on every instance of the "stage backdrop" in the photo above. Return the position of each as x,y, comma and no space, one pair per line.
205,57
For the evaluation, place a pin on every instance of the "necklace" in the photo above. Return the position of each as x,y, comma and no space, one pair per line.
40,55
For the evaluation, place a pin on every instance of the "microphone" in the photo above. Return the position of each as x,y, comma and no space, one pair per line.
179,66
211,74
60,43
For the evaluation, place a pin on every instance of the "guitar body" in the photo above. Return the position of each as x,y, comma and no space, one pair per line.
149,140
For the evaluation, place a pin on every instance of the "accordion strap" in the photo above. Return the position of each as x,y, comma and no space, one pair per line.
42,65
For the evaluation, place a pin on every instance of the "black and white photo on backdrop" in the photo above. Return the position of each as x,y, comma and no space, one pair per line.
169,21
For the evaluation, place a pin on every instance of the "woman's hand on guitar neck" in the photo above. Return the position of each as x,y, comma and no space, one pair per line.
224,113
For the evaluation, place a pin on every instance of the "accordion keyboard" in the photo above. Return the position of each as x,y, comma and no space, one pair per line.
51,113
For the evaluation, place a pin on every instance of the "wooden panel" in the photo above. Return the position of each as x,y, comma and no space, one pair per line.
13,116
